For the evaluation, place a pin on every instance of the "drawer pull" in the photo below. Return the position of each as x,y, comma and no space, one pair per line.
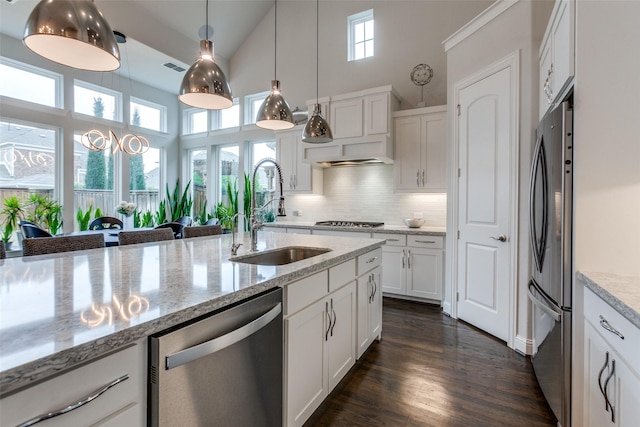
606,325
370,260
393,240
425,241
88,399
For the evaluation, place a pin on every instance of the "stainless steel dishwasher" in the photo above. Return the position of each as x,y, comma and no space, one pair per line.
222,370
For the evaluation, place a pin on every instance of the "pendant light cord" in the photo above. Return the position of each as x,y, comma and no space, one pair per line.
275,40
317,51
206,19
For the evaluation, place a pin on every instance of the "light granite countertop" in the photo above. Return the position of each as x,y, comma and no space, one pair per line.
620,292
391,229
58,311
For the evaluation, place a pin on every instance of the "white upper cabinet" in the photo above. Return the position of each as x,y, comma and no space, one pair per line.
420,150
557,57
299,177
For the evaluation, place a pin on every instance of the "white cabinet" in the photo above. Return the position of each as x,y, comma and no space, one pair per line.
320,333
611,366
557,56
122,404
298,177
412,265
346,117
420,150
369,300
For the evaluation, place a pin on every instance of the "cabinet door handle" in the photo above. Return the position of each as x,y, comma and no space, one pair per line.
335,318
370,284
606,363
403,253
326,309
418,178
290,182
295,181
606,325
423,177
370,260
425,241
393,240
72,407
606,393
409,258
375,287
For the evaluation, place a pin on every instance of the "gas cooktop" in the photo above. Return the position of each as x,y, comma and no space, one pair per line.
357,224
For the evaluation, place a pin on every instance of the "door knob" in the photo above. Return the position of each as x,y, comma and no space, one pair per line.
500,238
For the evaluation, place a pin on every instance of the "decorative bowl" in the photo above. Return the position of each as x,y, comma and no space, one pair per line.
414,222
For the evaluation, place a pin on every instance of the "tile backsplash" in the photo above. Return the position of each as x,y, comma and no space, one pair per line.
365,193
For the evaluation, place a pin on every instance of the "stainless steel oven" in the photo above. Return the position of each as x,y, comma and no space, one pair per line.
222,370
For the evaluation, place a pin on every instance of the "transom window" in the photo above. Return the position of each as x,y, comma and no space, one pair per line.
251,105
147,114
97,101
227,118
361,35
195,121
29,83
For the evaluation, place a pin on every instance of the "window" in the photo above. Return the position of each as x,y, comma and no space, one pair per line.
147,114
227,118
228,166
265,177
252,104
195,121
97,101
93,182
144,182
198,167
360,34
31,84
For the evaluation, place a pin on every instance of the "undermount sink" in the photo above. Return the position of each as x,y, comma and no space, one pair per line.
281,256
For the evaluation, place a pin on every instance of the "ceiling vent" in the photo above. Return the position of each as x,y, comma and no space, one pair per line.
173,66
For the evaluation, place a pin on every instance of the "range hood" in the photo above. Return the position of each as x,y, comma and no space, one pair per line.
362,125
349,152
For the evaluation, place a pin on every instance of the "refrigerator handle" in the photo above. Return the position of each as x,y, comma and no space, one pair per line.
539,161
555,314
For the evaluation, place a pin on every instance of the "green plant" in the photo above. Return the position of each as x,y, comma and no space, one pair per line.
13,212
161,213
247,202
97,213
53,218
146,220
203,215
83,218
44,212
224,215
179,205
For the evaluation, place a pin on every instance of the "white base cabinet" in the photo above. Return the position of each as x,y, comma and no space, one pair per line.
412,265
124,404
611,366
320,338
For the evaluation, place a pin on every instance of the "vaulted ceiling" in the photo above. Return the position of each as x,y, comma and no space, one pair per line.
161,31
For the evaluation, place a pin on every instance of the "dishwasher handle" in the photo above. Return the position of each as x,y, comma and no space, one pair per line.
209,347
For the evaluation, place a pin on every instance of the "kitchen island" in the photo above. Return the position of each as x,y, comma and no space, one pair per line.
64,310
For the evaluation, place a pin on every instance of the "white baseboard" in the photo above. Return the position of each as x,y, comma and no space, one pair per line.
446,308
523,345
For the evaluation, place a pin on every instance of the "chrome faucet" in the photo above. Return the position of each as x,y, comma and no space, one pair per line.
255,224
234,245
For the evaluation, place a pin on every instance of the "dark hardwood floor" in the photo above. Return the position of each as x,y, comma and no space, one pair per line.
431,370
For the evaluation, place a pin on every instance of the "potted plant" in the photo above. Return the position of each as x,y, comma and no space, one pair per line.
12,212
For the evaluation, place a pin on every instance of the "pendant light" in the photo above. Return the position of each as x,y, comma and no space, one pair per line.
205,85
72,33
274,113
317,130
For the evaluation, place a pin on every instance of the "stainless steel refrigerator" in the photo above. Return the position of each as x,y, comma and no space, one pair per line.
550,289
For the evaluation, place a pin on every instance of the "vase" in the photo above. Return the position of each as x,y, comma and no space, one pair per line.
127,221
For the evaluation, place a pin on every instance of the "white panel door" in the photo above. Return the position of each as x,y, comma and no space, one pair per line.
424,275
394,269
341,340
484,131
408,155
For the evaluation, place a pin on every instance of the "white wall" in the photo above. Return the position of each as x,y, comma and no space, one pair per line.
407,33
365,193
607,137
521,27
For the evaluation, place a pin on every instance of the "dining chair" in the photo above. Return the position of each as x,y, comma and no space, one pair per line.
3,253
212,221
105,223
145,236
52,245
30,230
200,231
186,221
175,226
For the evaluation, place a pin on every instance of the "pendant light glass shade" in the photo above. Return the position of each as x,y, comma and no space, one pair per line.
205,85
317,130
72,33
274,113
